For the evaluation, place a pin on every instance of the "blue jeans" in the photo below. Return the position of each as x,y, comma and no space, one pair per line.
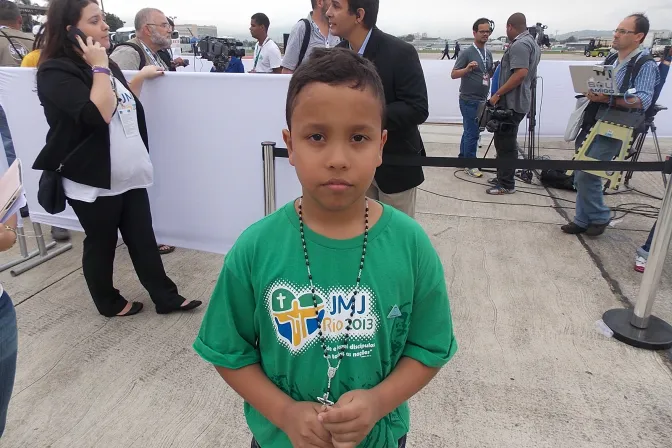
590,206
6,138
469,143
8,348
646,248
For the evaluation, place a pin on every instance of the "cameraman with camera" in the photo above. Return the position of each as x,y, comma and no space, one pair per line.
513,98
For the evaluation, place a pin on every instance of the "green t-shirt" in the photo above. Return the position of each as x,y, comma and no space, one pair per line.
262,311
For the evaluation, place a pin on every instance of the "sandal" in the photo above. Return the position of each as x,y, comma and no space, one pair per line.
136,307
164,249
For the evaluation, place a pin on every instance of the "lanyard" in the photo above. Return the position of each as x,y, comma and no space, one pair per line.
152,57
259,47
483,58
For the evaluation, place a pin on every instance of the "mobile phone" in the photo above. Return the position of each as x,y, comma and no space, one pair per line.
73,32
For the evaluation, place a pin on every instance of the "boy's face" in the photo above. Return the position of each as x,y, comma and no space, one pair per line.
336,143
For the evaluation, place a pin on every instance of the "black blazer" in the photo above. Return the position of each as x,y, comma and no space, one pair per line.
75,124
399,68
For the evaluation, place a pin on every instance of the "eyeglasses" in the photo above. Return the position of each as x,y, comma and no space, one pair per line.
162,25
621,31
485,32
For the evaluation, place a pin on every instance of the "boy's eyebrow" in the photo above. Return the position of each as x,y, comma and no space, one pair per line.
327,124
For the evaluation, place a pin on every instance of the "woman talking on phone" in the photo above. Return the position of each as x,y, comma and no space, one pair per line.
98,143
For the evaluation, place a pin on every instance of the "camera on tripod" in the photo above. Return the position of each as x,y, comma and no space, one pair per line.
219,51
496,119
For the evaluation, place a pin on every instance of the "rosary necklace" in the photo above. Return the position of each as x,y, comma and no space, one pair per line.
331,371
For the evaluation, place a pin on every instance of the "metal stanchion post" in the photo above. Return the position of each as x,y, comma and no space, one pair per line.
269,176
42,251
23,249
638,327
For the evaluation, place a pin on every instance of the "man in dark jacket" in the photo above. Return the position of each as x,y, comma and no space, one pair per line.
399,68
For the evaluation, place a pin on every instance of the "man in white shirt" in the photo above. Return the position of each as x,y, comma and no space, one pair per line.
267,57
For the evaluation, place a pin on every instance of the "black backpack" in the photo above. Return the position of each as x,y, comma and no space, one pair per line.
306,41
632,70
634,66
136,47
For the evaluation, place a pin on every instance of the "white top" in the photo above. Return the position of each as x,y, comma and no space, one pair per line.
266,56
131,167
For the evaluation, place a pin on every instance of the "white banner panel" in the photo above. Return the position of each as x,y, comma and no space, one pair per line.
205,136
205,144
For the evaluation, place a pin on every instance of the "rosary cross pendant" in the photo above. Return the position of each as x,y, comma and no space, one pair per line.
325,400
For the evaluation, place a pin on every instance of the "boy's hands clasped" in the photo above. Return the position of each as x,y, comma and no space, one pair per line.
351,419
303,428
345,425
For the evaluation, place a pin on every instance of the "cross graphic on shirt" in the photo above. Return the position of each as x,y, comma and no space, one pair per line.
281,298
298,318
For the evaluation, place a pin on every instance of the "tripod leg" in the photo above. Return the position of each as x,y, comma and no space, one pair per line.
660,155
489,146
639,144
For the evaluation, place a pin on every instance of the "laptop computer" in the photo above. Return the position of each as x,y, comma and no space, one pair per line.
11,190
594,79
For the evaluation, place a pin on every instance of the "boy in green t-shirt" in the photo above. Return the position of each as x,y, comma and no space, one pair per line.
332,312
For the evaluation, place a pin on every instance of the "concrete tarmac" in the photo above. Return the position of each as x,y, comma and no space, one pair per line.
532,371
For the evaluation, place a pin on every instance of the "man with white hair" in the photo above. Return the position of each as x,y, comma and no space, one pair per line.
152,33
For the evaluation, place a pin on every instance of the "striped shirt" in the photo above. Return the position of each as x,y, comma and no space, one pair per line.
644,84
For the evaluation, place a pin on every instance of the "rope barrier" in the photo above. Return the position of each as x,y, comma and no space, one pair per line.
524,164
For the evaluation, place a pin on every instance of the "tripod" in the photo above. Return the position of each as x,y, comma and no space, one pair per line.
531,145
637,146
526,175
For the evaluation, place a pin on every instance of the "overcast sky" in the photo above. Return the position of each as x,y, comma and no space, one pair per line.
435,17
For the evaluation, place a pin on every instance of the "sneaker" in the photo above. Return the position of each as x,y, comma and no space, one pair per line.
493,181
498,190
573,229
640,264
59,234
473,172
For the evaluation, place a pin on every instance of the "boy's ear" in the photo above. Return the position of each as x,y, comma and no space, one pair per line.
383,140
287,137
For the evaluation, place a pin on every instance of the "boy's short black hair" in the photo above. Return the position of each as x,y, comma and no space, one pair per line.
262,19
370,8
335,67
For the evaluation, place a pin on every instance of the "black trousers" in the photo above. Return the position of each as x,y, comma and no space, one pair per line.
506,144
129,213
402,443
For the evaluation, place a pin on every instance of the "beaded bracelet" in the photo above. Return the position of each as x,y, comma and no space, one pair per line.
98,69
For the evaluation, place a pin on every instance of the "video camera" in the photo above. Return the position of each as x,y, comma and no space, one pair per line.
495,119
219,51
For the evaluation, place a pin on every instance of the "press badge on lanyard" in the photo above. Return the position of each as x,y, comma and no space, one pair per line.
486,76
128,115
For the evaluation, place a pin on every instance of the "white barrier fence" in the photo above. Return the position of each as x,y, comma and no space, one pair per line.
205,133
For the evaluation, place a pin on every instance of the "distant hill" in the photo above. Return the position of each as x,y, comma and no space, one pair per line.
589,33
585,34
